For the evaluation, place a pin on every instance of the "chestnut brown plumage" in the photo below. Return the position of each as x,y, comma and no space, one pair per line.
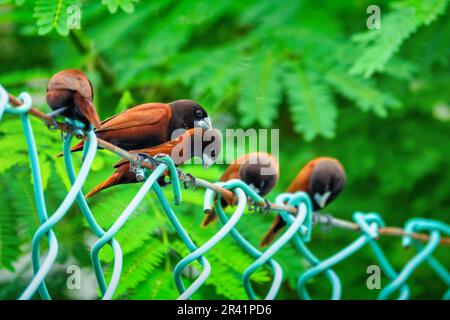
322,179
180,150
70,94
150,124
259,170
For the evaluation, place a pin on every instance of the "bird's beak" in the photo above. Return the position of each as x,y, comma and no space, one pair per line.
204,123
321,199
207,161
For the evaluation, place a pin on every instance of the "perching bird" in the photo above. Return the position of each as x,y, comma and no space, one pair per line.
70,94
259,170
322,179
150,124
202,143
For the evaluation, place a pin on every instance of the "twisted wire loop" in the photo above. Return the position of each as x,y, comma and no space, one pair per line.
363,222
299,230
241,190
86,211
107,292
3,101
303,203
252,251
299,241
40,272
435,228
35,169
370,233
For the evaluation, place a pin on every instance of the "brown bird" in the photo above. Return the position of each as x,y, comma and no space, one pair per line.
259,170
202,143
150,124
322,179
70,94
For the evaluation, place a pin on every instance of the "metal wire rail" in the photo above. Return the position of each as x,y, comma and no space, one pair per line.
295,209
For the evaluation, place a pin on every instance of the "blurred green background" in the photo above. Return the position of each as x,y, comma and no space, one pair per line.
378,100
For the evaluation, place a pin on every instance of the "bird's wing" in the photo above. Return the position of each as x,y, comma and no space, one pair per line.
165,148
144,114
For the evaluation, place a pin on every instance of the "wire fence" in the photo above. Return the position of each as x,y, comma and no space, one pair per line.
295,209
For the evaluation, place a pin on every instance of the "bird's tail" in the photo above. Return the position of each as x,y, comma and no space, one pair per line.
79,146
276,226
87,109
112,180
209,218
212,217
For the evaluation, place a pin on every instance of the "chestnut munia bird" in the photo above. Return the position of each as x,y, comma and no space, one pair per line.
70,94
150,124
181,149
322,179
259,170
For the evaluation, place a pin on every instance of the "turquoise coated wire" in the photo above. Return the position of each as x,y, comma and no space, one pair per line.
435,228
108,236
300,200
183,235
336,258
362,221
43,270
277,271
208,245
304,234
299,242
242,190
3,101
333,278
35,169
246,245
98,231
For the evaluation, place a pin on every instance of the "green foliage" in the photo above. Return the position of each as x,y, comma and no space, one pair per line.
382,44
51,14
125,5
376,99
313,110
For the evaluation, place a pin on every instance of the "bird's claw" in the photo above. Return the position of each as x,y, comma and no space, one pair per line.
143,156
153,161
188,183
134,165
266,209
253,206
328,225
52,125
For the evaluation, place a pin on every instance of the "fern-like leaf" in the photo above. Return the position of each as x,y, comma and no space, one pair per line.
9,242
138,265
312,107
260,91
362,92
380,45
126,5
159,285
52,14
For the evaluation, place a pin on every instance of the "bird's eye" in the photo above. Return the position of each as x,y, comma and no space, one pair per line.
263,184
213,153
199,113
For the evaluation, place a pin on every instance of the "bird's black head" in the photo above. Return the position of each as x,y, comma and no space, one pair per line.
188,114
260,171
326,182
